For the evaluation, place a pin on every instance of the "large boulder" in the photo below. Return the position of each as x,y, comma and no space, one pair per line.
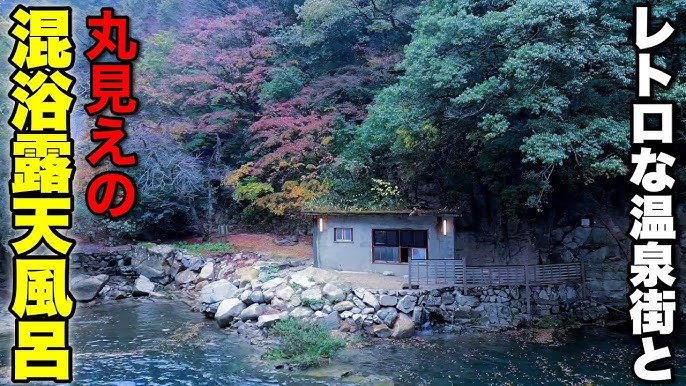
228,310
388,300
331,321
143,284
246,274
312,294
371,300
270,320
85,288
301,312
285,293
185,277
333,293
344,306
403,327
406,303
252,312
205,273
272,284
302,281
152,262
387,315
381,331
217,291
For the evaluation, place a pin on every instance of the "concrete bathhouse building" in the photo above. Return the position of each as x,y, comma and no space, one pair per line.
381,241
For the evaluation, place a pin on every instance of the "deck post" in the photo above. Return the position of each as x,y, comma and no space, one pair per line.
464,276
528,291
409,276
583,279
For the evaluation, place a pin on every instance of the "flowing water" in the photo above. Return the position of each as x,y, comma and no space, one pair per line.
162,343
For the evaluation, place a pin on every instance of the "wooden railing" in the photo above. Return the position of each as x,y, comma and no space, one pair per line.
455,272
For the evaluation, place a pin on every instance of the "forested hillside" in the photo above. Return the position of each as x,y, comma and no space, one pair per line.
498,109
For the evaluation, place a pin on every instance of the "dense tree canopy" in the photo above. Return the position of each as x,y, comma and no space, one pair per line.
253,110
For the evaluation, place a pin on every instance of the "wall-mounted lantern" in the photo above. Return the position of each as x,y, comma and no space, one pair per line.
443,225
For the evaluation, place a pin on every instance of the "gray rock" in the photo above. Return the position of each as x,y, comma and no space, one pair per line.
406,303
257,297
143,284
332,321
371,300
381,331
273,283
388,315
302,281
278,304
245,297
151,262
285,293
252,312
270,320
403,327
152,273
388,301
312,294
196,264
333,293
417,315
228,310
268,295
85,288
344,306
301,312
205,273
185,277
447,298
294,302
368,311
359,303
217,291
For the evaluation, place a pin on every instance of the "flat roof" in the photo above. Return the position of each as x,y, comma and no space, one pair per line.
360,212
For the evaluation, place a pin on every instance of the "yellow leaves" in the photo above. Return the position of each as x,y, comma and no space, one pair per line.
292,197
406,139
237,175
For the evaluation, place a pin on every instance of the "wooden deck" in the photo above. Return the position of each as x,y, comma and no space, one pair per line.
456,272
441,273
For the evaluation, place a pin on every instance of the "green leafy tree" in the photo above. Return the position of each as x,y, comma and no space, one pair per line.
516,98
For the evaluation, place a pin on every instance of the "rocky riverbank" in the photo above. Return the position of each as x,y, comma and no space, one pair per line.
247,291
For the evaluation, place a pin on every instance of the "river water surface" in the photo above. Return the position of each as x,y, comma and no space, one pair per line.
148,342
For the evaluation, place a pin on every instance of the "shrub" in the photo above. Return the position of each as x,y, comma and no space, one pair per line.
304,344
206,248
312,303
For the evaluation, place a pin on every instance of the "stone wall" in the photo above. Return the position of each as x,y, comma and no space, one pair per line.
391,313
239,289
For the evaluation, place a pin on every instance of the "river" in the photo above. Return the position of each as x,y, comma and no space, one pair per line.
145,342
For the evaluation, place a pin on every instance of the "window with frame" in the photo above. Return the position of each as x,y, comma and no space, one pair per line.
343,235
399,245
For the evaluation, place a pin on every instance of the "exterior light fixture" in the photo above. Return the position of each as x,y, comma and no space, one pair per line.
445,227
321,224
